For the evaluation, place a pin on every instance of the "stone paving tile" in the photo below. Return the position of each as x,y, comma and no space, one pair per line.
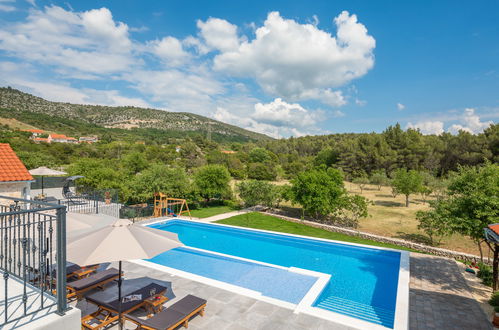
439,298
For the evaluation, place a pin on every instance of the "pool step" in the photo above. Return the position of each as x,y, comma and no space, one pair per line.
365,312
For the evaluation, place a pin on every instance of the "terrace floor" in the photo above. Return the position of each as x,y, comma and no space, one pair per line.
439,299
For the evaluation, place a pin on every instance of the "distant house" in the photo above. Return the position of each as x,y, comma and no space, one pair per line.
71,140
89,139
15,179
229,152
40,139
61,138
178,148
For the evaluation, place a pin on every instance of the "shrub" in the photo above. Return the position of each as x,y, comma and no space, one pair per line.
485,274
494,299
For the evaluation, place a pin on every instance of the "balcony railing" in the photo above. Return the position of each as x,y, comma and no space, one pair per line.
32,258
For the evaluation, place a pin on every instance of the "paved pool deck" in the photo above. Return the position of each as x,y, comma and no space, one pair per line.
440,298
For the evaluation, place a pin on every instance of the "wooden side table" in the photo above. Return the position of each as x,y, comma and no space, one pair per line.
155,304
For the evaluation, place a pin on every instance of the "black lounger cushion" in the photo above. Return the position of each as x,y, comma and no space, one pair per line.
93,279
163,320
188,304
173,314
113,305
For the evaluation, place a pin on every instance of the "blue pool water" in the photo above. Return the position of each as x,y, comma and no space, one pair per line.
363,280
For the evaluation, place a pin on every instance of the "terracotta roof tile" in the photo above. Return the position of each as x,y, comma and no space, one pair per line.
11,167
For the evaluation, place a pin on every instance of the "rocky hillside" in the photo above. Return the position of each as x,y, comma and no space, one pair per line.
122,117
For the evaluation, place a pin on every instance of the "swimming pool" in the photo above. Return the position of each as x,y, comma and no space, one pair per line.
364,281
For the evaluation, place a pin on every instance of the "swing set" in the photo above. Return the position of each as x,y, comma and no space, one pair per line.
166,206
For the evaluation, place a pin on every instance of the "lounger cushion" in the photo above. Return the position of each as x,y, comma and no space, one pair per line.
114,304
188,304
173,314
163,320
93,279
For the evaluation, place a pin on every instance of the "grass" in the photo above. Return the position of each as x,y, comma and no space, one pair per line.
266,222
206,212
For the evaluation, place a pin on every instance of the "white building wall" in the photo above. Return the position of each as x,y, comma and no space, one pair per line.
16,189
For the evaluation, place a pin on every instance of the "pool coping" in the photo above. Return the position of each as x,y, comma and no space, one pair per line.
401,317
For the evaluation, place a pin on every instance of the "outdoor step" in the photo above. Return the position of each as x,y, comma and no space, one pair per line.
358,310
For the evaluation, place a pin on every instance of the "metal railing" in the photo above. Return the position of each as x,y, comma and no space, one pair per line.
33,256
94,202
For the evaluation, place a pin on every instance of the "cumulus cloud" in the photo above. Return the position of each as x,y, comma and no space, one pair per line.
280,113
470,122
428,127
90,41
219,34
277,118
300,61
170,50
400,106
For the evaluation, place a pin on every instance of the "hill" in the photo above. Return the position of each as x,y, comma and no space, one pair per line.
92,119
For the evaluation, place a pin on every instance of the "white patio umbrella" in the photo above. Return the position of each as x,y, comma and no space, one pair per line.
122,240
44,171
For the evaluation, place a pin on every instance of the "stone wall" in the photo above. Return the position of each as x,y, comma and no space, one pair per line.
352,232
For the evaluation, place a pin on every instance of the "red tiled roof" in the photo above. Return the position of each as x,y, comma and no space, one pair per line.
11,167
41,139
58,136
495,228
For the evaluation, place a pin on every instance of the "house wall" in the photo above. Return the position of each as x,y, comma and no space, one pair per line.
18,189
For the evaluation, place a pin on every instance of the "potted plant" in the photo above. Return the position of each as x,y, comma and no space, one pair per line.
107,197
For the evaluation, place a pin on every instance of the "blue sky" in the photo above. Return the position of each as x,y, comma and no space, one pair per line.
278,67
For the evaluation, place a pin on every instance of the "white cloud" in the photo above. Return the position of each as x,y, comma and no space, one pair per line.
428,127
277,118
400,106
281,113
90,41
470,123
170,50
300,61
219,34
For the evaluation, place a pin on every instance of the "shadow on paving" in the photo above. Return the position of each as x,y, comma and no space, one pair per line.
436,310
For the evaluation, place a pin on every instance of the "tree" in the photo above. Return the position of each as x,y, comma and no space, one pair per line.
318,190
407,182
361,181
473,200
135,162
172,181
353,207
435,223
254,192
212,181
327,157
379,178
262,171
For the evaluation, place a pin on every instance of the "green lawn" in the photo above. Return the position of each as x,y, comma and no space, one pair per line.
210,211
261,221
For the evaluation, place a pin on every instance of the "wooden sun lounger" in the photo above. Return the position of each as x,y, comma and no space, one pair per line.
107,312
170,318
98,280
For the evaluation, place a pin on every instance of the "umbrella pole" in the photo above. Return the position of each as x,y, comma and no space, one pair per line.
42,184
119,297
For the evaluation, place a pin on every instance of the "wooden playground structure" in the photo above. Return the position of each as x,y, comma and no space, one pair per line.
167,206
